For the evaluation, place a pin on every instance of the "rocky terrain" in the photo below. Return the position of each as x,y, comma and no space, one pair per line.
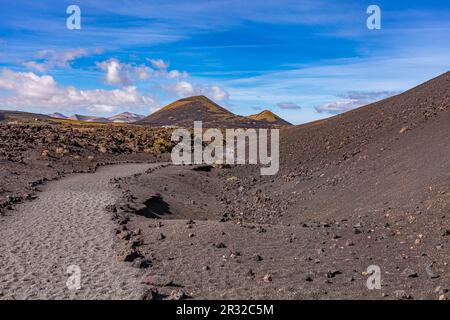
368,187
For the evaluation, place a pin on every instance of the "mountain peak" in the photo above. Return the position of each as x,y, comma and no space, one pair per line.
184,112
270,117
57,115
126,117
196,102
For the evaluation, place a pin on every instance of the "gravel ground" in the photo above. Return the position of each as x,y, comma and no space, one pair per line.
67,225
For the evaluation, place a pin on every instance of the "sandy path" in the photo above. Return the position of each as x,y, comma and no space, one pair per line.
66,225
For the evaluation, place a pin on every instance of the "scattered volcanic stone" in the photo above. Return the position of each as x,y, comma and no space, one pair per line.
219,245
440,290
129,255
430,272
177,294
267,278
140,263
161,237
150,294
124,235
309,277
258,258
332,274
401,295
158,281
349,243
409,273
136,243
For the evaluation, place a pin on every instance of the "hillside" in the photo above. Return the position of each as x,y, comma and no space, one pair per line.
270,117
184,112
19,115
367,187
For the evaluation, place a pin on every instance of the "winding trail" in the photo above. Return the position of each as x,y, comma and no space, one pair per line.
67,225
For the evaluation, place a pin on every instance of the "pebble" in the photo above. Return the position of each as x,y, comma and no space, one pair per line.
401,295
219,245
161,237
309,277
150,294
140,263
267,278
430,272
177,294
257,257
409,273
250,273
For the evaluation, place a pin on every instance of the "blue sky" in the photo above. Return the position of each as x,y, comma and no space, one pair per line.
304,60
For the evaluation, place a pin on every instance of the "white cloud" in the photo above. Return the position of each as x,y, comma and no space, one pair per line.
339,106
159,64
40,67
143,72
218,93
183,89
369,95
352,100
26,89
102,108
49,59
172,74
116,73
288,106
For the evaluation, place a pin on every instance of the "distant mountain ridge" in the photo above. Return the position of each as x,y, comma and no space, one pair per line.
57,115
125,117
183,113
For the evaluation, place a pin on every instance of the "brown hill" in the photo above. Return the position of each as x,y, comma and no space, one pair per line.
19,115
184,112
269,117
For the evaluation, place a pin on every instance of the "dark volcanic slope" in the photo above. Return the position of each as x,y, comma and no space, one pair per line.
270,117
368,187
19,115
364,160
184,112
